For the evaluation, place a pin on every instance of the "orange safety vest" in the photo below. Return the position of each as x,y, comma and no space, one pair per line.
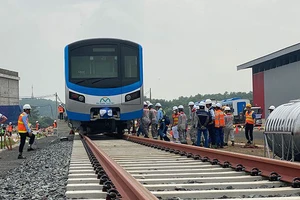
249,118
219,119
54,125
175,119
37,126
10,128
60,109
21,125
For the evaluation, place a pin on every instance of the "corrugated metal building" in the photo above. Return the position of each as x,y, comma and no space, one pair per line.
9,87
275,77
9,95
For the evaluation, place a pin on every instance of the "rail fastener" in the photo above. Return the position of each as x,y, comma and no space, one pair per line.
287,170
296,182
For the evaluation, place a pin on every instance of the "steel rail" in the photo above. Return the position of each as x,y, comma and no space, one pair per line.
128,187
287,171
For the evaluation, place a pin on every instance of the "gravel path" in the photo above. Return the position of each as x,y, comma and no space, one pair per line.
42,176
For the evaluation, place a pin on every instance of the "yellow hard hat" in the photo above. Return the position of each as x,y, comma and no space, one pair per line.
248,105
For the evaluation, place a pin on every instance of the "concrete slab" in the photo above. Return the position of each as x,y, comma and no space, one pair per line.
219,179
237,193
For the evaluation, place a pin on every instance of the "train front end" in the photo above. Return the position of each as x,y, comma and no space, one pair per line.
104,84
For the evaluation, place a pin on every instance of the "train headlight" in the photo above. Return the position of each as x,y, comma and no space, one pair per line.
110,113
128,97
81,98
76,97
132,96
102,112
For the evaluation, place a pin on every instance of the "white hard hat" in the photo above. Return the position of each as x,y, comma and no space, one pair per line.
157,105
208,101
10,123
181,106
213,105
54,120
148,102
175,108
227,108
191,103
26,107
37,122
145,103
218,105
201,103
272,107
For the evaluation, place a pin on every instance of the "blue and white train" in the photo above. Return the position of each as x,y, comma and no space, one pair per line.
104,84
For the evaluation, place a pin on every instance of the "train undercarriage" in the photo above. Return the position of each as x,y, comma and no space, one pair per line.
100,126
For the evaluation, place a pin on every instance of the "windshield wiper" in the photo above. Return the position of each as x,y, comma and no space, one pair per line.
101,79
82,80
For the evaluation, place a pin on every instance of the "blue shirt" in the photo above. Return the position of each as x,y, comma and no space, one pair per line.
212,113
159,114
24,119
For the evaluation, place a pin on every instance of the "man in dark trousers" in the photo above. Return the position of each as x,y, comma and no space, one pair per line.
249,124
24,130
202,120
211,124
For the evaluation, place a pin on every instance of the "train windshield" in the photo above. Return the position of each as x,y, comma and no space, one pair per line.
104,66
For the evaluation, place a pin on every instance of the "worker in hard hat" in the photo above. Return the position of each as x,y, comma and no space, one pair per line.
159,117
271,109
160,112
192,130
174,126
211,124
61,111
153,120
37,126
219,125
24,130
191,109
228,129
145,120
201,123
7,135
249,123
182,125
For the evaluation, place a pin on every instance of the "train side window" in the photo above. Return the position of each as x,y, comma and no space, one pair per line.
130,63
131,69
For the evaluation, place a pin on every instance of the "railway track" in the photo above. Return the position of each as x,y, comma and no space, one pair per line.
161,170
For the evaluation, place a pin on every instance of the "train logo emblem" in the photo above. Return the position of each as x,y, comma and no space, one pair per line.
105,100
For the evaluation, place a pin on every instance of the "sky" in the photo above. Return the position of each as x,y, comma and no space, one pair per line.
189,46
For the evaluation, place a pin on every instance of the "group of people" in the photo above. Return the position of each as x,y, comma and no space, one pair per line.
24,130
208,124
155,118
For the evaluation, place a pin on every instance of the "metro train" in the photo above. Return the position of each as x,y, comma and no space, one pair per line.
104,84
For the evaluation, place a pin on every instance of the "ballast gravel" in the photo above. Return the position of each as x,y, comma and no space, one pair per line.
42,176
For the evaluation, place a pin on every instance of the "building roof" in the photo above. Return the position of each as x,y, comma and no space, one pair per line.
268,57
4,73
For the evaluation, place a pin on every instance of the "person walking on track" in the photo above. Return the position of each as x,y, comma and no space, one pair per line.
24,130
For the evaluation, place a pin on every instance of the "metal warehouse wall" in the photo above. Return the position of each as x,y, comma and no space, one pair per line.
281,85
9,88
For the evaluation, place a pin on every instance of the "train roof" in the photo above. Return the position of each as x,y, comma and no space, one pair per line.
102,41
